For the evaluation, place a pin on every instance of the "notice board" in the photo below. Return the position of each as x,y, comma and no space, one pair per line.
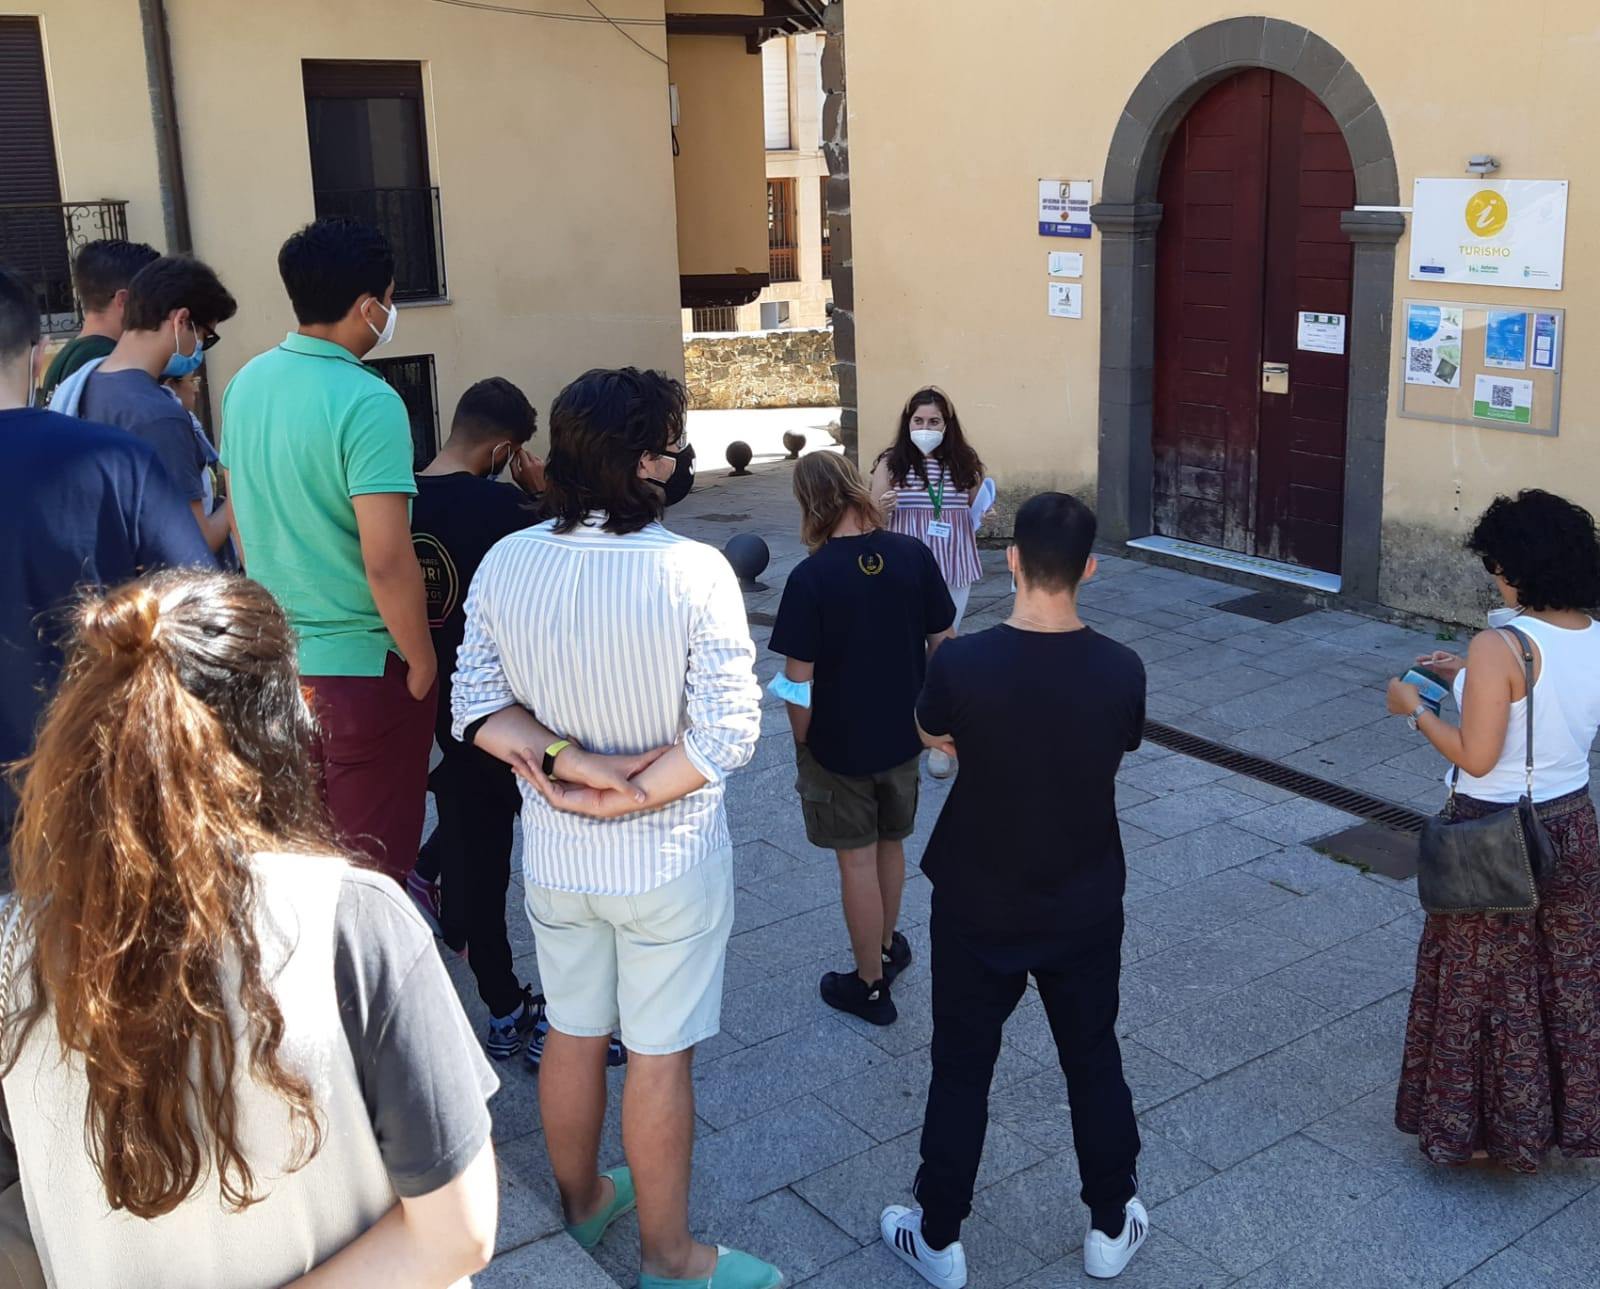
1492,366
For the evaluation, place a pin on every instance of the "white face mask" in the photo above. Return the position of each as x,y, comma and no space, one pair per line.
1503,617
927,441
387,334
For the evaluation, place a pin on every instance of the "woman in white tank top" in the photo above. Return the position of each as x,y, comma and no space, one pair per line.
1502,1053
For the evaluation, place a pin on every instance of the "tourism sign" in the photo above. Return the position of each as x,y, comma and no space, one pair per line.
1489,232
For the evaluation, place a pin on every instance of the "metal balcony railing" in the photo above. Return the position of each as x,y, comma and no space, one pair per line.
38,241
783,265
409,218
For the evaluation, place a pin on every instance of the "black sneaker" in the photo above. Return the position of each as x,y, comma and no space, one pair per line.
844,991
508,1033
896,958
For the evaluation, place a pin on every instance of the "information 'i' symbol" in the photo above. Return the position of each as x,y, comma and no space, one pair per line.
1487,213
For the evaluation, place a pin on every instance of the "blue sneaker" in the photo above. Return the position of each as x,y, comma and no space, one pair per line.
508,1033
616,1053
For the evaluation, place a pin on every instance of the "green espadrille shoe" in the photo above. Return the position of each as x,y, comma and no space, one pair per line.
735,1270
588,1234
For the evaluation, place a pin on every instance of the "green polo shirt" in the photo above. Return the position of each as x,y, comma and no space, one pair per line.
305,428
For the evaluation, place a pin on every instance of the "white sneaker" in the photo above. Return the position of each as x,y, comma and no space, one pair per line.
902,1232
941,765
1105,1258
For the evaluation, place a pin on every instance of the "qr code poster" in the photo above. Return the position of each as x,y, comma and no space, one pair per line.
1433,346
1500,398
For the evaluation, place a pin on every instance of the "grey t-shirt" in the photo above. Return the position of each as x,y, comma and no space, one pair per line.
423,1075
133,401
422,1071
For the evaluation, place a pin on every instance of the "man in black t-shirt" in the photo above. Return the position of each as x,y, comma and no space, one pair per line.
465,866
858,621
1028,875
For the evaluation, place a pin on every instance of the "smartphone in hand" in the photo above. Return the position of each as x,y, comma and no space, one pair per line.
1430,685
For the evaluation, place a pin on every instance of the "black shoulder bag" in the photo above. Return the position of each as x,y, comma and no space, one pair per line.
1493,864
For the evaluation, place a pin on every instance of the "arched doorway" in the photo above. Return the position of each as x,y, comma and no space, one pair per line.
1129,218
1249,423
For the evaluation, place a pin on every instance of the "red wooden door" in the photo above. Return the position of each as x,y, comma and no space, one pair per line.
1252,188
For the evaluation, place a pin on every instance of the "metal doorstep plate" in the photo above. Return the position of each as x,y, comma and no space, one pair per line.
1360,804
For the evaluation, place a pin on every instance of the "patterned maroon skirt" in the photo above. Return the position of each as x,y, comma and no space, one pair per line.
1503,1041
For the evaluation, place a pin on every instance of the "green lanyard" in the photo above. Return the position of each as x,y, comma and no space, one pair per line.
938,498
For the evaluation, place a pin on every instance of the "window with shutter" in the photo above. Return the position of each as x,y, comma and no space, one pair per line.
33,233
775,93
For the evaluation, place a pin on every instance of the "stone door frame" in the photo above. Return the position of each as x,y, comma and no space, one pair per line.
1128,215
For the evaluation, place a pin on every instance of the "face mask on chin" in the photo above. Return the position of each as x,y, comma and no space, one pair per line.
927,441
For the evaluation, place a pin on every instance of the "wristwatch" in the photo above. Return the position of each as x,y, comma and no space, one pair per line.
1410,720
554,750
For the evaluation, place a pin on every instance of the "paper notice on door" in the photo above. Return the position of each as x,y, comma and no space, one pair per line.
1322,333
1503,398
1433,346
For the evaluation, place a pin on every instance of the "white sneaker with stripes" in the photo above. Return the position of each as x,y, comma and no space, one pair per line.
1105,1258
902,1232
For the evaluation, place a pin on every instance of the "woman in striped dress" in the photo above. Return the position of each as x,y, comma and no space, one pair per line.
926,481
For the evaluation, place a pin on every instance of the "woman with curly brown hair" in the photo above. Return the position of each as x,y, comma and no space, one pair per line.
230,1058
1502,1054
925,482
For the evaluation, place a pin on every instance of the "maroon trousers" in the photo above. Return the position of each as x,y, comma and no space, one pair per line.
373,756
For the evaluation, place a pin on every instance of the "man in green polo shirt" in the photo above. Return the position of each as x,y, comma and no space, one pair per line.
317,449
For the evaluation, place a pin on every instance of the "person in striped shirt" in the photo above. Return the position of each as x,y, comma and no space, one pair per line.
609,661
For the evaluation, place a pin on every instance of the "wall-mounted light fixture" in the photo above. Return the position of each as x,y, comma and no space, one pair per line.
1482,164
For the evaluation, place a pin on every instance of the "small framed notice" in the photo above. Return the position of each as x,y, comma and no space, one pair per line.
1066,300
1322,333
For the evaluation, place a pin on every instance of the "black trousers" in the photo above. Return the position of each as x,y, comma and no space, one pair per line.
470,852
977,982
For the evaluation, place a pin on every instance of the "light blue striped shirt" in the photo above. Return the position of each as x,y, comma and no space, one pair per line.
622,644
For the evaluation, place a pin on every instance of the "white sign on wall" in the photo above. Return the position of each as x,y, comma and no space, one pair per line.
1490,232
1066,299
1064,207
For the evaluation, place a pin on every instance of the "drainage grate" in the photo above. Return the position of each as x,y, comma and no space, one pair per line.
1281,776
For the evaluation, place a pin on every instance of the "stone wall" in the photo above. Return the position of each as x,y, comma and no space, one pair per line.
760,369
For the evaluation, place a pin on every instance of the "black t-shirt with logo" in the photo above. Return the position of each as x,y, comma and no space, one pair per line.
455,519
861,609
1028,842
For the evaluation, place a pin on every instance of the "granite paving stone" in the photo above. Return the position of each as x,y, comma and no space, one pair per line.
775,1072
1208,904
1296,821
1335,913
1514,1269
1179,812
1229,1030
1248,1215
1201,852
1163,1263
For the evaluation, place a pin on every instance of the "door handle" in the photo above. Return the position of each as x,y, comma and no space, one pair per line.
1274,378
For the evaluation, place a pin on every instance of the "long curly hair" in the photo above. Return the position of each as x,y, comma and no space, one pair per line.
177,745
958,456
1543,545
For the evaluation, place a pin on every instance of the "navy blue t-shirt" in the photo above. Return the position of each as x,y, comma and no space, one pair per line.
81,505
1028,841
861,609
455,519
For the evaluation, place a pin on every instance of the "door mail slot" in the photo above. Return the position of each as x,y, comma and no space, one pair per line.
1274,378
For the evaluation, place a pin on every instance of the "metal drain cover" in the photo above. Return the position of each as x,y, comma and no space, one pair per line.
1268,606
1382,849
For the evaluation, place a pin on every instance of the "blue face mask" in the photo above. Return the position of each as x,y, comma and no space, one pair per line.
181,364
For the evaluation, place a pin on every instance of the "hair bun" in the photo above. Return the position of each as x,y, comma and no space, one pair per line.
123,622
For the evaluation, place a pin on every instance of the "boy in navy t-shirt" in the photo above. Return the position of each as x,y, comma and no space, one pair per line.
1028,874
858,621
81,505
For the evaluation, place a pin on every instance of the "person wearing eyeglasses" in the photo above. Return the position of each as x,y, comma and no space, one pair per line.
175,305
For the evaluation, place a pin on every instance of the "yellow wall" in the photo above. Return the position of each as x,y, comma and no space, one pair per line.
549,144
720,167
951,125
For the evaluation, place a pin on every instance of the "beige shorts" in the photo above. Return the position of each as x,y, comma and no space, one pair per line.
650,962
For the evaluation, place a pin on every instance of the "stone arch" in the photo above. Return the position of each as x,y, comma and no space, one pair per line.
1129,214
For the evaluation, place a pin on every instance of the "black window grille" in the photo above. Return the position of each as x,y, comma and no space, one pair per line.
413,378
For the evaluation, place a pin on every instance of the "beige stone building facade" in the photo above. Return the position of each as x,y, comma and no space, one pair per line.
799,252
557,189
1268,303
